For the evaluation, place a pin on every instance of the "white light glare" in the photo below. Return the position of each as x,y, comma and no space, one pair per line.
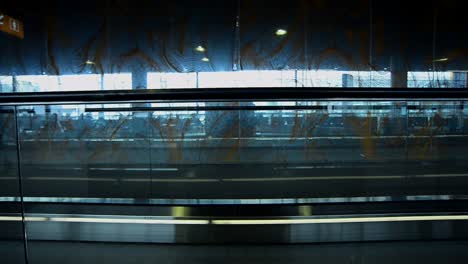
240,221
281,32
200,49
441,60
341,220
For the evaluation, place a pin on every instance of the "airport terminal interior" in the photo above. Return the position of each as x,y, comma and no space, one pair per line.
233,131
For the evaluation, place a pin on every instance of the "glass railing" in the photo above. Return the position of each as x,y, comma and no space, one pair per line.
244,150
111,170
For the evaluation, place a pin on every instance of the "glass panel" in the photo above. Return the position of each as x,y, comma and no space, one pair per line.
172,80
270,35
169,172
449,51
6,84
11,234
188,37
245,79
71,151
435,140
70,83
274,150
430,80
280,154
269,78
117,81
33,83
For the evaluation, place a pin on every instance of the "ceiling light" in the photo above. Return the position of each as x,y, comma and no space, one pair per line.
200,49
205,59
441,60
90,62
281,32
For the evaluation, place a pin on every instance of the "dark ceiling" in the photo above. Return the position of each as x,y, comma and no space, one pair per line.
143,36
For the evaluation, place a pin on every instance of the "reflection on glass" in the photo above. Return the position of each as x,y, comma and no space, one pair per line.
283,145
432,80
266,78
33,83
235,79
6,84
172,80
247,79
117,81
11,230
70,83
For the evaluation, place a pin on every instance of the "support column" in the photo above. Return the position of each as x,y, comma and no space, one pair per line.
399,72
139,82
347,80
139,79
399,79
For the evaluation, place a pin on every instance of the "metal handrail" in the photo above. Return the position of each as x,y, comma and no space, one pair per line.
234,94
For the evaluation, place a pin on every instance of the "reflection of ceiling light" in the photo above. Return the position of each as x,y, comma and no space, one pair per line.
205,59
441,60
281,32
340,220
90,62
200,49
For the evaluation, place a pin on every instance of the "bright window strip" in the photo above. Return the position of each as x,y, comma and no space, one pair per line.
6,84
429,79
245,79
117,81
158,80
77,82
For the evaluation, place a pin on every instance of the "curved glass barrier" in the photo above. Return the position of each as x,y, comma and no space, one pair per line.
242,172
217,152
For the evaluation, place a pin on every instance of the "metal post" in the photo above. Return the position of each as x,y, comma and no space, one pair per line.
21,192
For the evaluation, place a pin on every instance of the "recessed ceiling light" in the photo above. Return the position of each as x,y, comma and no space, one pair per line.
200,49
441,60
281,32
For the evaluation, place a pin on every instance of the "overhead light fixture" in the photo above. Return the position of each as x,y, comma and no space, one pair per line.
88,62
205,59
442,60
200,48
281,32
